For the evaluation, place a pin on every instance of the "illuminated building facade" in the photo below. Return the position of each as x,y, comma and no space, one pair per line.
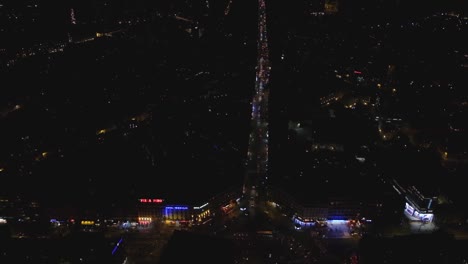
177,213
335,208
418,207
150,210
201,213
331,6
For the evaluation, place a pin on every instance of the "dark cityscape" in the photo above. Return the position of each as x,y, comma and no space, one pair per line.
231,132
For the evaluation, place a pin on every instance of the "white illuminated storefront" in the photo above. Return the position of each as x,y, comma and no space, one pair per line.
417,207
413,214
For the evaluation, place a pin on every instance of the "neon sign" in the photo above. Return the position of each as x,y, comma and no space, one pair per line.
176,207
144,200
200,207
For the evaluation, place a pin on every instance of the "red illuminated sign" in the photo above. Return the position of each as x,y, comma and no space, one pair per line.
144,200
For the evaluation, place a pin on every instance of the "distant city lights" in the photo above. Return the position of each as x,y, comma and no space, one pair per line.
72,17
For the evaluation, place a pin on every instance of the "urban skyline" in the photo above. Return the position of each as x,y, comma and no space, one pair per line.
134,129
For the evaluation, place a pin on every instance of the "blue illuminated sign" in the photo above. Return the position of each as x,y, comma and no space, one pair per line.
176,208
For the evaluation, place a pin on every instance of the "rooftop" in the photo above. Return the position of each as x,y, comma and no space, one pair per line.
187,247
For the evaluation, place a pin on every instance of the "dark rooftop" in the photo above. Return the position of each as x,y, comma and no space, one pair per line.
185,247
